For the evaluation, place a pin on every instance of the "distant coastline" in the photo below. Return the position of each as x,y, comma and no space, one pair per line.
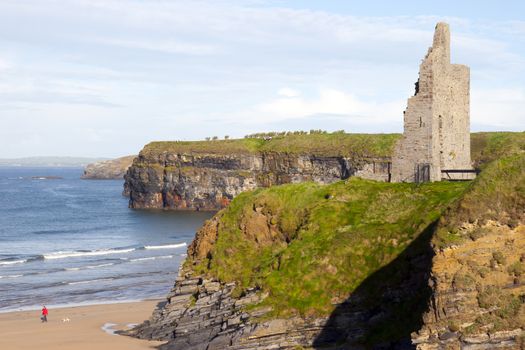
53,162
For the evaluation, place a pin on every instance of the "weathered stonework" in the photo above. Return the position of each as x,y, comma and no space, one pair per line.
436,122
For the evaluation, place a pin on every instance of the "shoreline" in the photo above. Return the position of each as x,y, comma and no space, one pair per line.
80,327
37,307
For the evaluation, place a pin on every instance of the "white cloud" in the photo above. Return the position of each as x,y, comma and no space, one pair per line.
167,46
328,102
4,65
288,92
499,108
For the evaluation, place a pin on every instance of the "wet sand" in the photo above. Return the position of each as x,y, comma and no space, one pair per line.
24,330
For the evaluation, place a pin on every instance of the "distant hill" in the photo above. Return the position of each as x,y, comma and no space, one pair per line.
49,161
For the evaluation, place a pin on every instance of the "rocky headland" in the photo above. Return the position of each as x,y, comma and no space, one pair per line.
207,175
108,169
355,264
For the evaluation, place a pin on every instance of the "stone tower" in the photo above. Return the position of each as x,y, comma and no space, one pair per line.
436,135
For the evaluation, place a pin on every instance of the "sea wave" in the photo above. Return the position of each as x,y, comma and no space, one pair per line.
166,246
72,268
11,276
75,254
11,262
90,281
89,253
88,267
152,258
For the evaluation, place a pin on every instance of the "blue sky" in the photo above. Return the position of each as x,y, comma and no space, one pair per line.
103,78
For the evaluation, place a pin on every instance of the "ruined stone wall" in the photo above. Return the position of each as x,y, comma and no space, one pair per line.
436,122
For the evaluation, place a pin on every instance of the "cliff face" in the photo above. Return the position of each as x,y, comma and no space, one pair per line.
478,299
108,169
208,175
202,179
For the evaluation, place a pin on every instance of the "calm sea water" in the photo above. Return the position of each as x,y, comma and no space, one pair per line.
70,241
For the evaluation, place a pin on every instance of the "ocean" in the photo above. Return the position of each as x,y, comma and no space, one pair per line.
67,241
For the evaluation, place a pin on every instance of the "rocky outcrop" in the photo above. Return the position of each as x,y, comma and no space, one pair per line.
108,169
457,285
204,314
198,181
478,290
478,272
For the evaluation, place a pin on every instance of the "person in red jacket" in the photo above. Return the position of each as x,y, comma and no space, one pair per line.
44,314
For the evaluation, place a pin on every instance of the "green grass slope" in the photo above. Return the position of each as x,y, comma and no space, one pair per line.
490,146
497,194
324,240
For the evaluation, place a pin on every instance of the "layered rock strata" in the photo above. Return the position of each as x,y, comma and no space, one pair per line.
479,287
478,272
204,314
200,181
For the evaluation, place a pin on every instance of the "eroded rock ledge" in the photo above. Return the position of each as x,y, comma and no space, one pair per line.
203,314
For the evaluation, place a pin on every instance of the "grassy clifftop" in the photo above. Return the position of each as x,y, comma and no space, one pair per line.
486,146
489,146
335,144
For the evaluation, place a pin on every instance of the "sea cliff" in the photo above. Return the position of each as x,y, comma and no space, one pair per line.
207,175
359,264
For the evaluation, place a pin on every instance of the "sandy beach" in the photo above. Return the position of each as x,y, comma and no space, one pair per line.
24,330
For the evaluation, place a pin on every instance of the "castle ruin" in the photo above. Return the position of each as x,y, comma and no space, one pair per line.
436,138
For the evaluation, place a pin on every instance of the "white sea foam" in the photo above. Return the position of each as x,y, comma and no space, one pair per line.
11,276
69,254
11,262
166,246
90,281
152,258
88,267
143,259
108,328
97,266
72,268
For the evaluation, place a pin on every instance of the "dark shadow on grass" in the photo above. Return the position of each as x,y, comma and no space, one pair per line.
388,306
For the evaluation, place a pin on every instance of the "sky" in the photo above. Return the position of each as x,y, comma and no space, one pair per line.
104,78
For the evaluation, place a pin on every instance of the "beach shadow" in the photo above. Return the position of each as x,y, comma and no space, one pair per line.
388,306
